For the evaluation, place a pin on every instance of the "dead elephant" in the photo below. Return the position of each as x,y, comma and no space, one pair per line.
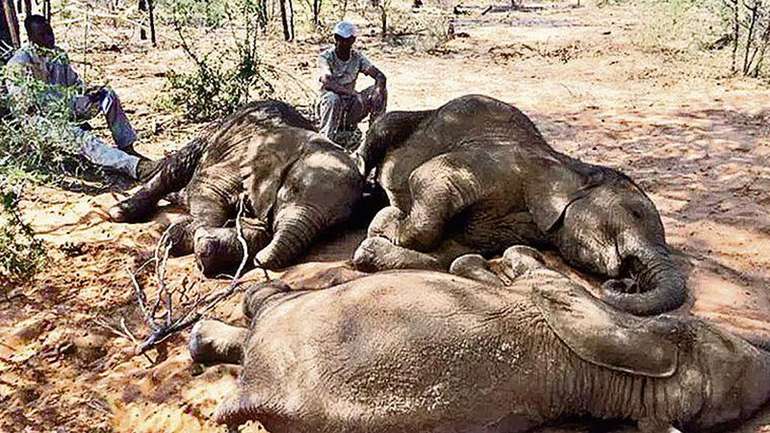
497,347
297,184
476,176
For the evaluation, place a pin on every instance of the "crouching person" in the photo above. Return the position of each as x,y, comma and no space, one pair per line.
340,108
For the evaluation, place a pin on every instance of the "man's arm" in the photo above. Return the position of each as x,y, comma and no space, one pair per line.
379,77
327,79
329,84
15,72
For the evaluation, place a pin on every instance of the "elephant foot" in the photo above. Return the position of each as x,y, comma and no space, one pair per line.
217,250
523,259
386,223
128,211
181,238
378,254
474,267
213,342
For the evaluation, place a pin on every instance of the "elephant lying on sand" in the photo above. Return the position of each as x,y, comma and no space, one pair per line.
475,175
500,348
296,183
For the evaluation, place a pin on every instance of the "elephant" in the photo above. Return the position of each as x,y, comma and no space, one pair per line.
265,162
494,347
476,176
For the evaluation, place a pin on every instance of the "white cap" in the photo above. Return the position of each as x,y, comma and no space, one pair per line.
345,29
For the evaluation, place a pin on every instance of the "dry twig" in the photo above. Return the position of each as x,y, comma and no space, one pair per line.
160,318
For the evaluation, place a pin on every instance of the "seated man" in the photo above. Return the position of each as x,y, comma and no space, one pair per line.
340,107
41,60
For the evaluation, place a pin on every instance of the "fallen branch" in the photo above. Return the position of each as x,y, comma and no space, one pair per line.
168,325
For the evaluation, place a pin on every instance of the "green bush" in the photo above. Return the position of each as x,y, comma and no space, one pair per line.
37,138
228,76
22,253
38,143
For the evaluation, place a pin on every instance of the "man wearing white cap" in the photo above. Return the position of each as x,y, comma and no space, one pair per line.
340,107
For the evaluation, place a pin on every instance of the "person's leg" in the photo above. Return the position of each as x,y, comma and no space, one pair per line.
86,107
96,151
372,107
122,131
330,113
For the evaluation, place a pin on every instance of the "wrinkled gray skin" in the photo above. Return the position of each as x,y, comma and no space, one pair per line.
475,175
296,185
498,348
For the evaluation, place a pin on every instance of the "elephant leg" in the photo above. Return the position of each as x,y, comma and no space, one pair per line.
207,209
440,188
521,259
219,249
474,267
377,254
180,234
385,223
175,173
213,342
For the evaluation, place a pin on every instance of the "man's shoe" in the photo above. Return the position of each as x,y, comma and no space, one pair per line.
147,168
131,151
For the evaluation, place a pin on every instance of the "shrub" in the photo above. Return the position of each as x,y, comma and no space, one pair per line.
38,138
23,254
227,77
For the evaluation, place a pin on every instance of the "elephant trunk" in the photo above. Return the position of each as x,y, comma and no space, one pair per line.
660,285
295,228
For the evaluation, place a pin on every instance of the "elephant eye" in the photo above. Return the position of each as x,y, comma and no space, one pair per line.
637,213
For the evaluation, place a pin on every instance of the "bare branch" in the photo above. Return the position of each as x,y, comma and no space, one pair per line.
197,309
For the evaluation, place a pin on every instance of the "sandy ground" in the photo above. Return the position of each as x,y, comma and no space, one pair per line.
696,140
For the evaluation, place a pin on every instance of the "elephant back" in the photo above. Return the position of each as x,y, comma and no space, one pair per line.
230,137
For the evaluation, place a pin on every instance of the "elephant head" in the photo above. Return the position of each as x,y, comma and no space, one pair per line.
602,222
737,368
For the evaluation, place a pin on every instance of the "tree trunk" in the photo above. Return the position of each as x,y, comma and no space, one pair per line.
10,30
750,37
291,18
142,31
316,12
151,10
383,20
287,20
736,36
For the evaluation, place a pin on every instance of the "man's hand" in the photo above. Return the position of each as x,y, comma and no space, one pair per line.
329,84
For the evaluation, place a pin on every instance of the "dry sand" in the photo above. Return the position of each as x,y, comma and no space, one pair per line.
696,141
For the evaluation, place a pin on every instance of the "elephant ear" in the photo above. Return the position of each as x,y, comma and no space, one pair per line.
271,153
607,337
556,185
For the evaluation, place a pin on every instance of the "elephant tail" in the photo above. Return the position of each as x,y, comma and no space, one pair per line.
174,173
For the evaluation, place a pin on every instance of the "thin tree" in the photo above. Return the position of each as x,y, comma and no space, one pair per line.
316,12
287,19
147,6
10,24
